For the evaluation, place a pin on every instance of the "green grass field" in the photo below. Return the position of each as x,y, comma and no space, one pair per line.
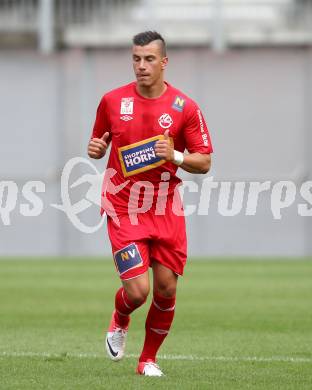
239,325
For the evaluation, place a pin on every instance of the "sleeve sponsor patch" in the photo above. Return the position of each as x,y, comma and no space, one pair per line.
127,258
140,156
178,103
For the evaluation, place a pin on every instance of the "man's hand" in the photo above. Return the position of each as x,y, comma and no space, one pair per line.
164,149
97,146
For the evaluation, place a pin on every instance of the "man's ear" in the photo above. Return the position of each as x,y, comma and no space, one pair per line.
164,63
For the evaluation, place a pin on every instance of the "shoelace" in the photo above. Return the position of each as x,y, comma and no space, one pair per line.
118,338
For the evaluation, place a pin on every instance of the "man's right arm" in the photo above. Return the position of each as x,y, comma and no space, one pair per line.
97,146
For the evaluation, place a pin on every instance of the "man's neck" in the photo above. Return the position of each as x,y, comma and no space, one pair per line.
153,91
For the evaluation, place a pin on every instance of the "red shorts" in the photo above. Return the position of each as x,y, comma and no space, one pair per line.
160,238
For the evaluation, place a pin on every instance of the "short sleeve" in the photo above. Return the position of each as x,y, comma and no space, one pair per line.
102,122
197,138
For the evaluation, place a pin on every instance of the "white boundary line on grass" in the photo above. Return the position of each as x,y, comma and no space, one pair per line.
283,359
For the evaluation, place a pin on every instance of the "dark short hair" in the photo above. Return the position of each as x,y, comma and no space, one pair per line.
146,37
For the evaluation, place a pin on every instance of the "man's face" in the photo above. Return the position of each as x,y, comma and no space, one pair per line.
148,63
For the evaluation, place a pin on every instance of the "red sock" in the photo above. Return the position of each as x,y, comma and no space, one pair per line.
158,322
123,307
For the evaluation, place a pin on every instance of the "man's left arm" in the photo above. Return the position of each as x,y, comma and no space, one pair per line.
196,162
198,144
193,162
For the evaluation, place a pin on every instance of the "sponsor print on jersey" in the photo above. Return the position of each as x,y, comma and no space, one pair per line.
127,258
202,129
178,103
140,156
165,121
126,106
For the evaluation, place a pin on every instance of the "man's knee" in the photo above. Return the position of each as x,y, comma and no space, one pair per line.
137,296
137,289
165,290
165,280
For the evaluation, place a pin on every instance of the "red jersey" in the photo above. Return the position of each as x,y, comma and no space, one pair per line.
135,123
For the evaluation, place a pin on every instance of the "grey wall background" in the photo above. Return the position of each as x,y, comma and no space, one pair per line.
258,105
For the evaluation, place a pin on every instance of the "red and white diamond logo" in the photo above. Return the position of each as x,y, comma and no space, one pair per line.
126,118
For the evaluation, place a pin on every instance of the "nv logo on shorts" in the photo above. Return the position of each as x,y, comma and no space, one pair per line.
178,103
127,258
140,156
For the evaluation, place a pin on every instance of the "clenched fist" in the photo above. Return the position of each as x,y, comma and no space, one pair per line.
164,149
97,146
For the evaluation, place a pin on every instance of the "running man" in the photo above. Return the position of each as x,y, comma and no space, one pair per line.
149,125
